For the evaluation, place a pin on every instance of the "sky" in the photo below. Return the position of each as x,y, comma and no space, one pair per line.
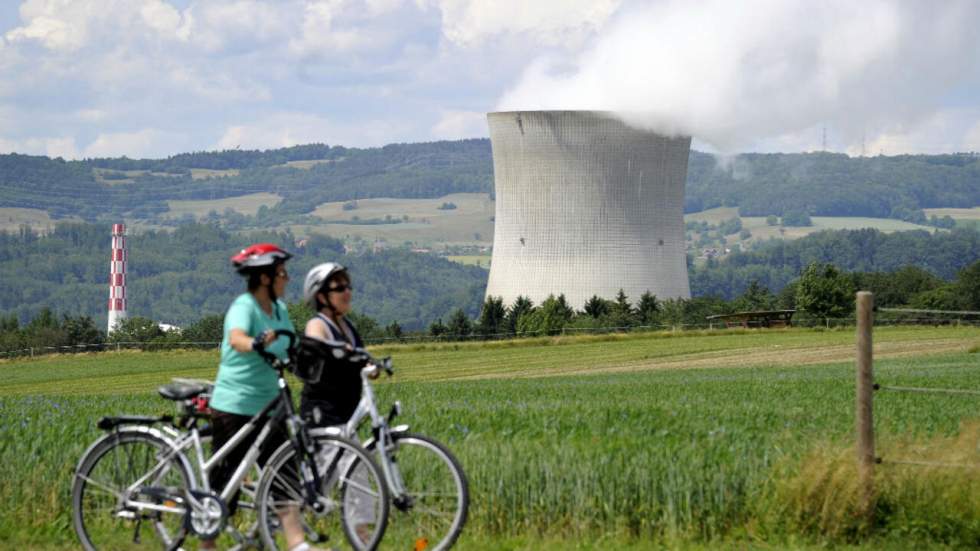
152,78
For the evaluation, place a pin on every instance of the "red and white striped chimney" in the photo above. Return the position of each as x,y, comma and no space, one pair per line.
117,277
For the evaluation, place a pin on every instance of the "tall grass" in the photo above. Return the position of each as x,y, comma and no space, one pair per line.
682,455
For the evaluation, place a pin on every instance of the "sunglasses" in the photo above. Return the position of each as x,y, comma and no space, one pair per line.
340,288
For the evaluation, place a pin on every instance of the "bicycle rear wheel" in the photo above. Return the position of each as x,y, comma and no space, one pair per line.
107,511
352,492
431,512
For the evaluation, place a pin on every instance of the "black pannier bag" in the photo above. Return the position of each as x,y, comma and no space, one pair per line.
308,358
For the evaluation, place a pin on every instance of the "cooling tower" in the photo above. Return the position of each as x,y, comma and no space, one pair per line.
586,205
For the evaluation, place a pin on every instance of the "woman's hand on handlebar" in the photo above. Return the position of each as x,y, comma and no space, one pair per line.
264,339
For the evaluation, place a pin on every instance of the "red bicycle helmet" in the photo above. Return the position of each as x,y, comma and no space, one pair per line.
259,255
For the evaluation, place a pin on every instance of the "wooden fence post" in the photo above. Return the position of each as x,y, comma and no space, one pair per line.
864,425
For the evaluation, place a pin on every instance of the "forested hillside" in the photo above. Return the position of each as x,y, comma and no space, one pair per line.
831,184
180,276
817,184
777,263
400,170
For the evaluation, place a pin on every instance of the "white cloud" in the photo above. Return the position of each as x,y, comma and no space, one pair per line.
91,115
736,73
455,125
470,22
54,34
289,128
162,17
238,26
766,74
320,32
971,140
946,131
63,146
147,142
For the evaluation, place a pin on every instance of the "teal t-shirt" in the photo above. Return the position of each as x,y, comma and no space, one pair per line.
246,383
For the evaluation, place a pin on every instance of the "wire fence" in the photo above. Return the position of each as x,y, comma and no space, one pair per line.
876,387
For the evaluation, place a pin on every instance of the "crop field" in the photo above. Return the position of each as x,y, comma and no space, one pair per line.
306,165
245,204
958,214
736,439
12,218
482,260
470,223
205,173
762,231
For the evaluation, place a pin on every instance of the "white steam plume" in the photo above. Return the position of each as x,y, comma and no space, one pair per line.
734,73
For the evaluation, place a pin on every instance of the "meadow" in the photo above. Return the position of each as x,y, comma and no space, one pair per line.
244,204
12,218
737,439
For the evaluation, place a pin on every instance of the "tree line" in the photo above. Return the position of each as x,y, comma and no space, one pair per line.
179,276
822,292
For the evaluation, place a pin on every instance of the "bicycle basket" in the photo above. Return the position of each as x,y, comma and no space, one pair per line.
307,358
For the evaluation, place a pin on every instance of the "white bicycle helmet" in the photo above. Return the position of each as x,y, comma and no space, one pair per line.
316,277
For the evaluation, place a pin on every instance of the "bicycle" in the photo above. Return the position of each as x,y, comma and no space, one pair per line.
141,471
428,487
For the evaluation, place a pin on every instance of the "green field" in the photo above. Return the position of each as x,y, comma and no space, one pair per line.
245,204
761,231
482,260
12,218
687,440
205,173
470,223
958,214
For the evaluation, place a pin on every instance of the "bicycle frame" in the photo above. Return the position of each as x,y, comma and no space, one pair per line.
278,410
180,443
380,431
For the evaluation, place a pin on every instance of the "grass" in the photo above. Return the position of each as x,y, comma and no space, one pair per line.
205,173
12,218
482,260
470,223
762,231
694,440
957,214
245,204
306,165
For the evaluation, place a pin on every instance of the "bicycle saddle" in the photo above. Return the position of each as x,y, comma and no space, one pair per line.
181,391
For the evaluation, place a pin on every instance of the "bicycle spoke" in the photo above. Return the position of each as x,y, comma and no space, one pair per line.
360,487
100,486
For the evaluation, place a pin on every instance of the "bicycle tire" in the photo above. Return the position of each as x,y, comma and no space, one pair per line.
409,527
108,467
340,461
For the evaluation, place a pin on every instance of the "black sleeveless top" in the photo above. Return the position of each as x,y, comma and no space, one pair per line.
333,399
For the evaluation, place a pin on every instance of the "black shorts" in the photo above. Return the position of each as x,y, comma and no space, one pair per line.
322,413
224,426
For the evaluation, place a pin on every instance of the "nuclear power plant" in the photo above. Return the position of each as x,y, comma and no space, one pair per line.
586,205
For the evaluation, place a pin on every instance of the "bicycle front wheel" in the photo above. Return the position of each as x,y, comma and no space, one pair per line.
122,494
352,497
431,510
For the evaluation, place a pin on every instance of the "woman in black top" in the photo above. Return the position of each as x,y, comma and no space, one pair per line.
333,399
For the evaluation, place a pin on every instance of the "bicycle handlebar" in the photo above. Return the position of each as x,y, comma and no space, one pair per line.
272,359
340,348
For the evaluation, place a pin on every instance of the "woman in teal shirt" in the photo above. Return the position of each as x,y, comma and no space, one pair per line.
245,382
